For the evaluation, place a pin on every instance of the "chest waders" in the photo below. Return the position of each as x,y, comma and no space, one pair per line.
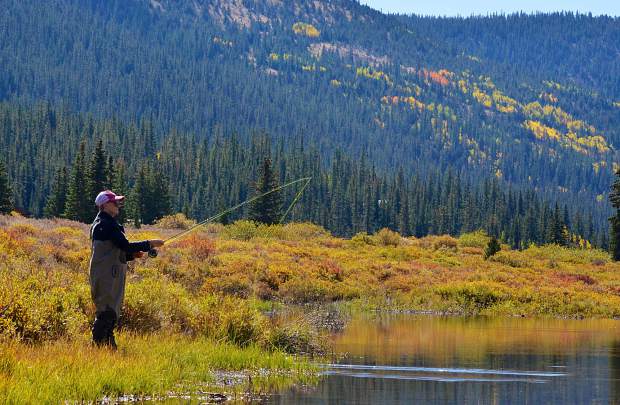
108,270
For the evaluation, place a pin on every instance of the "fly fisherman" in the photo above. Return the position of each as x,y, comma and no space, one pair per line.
108,265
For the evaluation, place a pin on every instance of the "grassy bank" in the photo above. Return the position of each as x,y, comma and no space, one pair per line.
145,366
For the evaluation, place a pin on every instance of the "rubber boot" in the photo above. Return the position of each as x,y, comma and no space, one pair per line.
103,329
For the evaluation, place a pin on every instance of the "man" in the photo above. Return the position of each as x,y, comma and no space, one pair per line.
108,265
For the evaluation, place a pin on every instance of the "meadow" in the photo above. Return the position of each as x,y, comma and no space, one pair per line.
205,305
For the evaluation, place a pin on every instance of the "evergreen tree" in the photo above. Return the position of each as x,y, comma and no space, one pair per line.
97,173
55,205
614,239
266,210
138,198
556,230
110,174
6,204
492,248
118,185
159,203
78,205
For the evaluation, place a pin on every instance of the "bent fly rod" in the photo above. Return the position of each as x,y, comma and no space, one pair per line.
153,252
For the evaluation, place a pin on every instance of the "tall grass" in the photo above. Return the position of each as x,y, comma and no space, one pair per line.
148,365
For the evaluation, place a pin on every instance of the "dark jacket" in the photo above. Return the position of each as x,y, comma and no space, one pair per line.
107,228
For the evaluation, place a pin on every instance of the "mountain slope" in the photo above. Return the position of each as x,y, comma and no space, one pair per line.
405,91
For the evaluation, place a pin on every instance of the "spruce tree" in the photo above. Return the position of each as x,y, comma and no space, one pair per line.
614,240
138,198
160,201
266,210
97,174
78,206
119,186
492,248
55,205
6,202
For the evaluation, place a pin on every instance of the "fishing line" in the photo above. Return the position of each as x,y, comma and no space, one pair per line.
153,252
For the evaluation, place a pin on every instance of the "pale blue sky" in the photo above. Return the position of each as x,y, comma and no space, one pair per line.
468,7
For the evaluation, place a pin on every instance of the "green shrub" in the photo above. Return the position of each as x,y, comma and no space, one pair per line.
362,238
296,338
471,298
240,230
509,259
492,248
154,304
477,239
244,326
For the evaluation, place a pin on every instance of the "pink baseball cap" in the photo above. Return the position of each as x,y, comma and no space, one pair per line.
107,196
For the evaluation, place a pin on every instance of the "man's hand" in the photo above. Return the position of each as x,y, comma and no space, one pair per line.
156,243
138,255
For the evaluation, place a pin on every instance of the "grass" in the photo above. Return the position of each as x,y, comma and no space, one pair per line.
149,365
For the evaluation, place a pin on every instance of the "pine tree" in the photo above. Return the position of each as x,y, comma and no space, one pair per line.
97,178
556,229
110,174
614,239
119,186
78,205
492,248
55,205
138,198
6,202
266,210
159,202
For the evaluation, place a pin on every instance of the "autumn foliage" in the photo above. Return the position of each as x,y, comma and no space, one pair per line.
208,283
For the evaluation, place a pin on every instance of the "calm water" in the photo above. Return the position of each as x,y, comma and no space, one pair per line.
420,359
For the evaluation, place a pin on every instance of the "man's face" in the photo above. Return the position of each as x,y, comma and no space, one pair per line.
112,208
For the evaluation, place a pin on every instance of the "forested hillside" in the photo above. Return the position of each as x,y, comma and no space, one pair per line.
529,104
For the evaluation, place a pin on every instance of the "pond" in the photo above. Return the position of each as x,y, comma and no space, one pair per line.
402,359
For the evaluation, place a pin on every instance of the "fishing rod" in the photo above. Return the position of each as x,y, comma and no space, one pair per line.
153,252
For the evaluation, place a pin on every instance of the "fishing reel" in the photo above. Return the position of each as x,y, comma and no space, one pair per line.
153,253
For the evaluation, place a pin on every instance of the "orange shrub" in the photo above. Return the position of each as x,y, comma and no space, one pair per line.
198,248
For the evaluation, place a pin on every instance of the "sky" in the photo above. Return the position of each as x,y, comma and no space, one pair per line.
483,7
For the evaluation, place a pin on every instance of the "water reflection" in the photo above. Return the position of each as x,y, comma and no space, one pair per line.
416,359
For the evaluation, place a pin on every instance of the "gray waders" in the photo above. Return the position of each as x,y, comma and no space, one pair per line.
108,269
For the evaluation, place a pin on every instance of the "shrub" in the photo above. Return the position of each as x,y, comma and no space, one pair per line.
304,231
509,259
176,221
445,242
362,238
567,255
237,285
386,237
240,230
296,338
477,239
154,304
473,297
244,326
306,290
472,251
199,248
